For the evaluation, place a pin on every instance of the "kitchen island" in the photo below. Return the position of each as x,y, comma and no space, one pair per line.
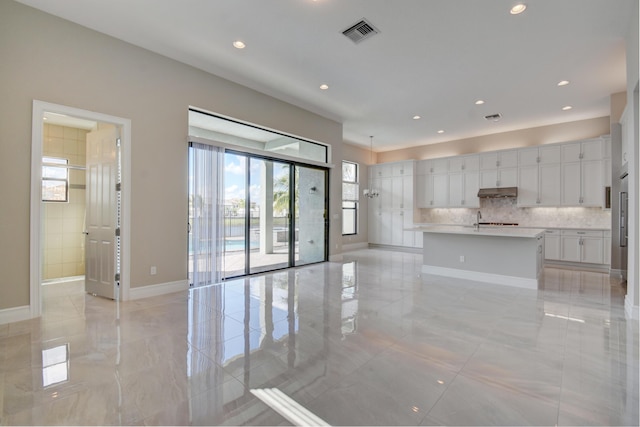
501,255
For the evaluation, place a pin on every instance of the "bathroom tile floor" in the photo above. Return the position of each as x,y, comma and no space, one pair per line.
368,341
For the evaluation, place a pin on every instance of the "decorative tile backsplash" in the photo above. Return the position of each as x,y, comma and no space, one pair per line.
506,210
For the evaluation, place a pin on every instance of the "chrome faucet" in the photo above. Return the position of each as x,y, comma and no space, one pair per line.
478,218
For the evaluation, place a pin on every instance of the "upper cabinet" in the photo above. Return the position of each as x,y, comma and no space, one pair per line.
499,169
539,176
564,174
582,173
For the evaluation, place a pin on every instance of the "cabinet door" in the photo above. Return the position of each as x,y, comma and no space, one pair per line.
571,152
407,192
489,178
424,193
471,187
606,249
374,226
456,164
508,177
489,161
552,245
472,163
440,165
550,191
528,157
385,229
396,193
456,187
386,193
528,185
508,159
423,167
592,185
397,225
407,222
592,149
570,250
440,189
550,154
592,250
571,184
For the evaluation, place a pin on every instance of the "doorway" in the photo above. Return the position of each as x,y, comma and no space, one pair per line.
43,112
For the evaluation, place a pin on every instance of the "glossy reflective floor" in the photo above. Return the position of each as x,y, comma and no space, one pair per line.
369,341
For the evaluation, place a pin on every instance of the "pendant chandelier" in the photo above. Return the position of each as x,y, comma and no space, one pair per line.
371,192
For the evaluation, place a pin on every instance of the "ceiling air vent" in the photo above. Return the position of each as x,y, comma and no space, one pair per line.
360,31
493,117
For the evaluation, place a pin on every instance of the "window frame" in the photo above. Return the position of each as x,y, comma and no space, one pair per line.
355,203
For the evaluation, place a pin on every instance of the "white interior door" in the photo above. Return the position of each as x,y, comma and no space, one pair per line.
101,215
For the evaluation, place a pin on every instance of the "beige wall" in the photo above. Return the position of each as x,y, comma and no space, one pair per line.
52,60
63,222
521,138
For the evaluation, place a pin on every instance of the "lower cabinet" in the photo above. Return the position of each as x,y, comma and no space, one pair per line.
581,246
389,227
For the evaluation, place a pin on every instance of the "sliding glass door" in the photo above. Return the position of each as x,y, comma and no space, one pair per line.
310,215
274,214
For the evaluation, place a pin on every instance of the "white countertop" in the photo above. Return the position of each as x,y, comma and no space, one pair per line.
483,231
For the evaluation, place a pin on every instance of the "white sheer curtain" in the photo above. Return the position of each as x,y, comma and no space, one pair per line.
206,211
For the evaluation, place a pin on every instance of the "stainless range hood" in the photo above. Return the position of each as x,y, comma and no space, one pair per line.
494,193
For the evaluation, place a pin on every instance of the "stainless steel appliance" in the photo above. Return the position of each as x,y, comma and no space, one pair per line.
624,218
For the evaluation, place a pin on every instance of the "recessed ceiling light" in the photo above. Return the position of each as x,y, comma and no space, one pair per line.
563,82
416,117
441,131
324,86
567,107
239,44
479,102
518,9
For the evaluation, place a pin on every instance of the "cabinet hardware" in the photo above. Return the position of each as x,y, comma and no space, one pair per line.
538,159
582,232
497,163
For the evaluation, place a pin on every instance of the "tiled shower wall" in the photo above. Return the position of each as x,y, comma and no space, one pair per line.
506,210
64,222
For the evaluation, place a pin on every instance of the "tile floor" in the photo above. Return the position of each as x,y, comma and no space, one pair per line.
369,341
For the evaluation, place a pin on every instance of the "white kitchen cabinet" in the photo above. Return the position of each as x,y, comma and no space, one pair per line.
550,191
583,173
392,211
464,163
591,149
582,246
501,177
552,245
529,185
463,189
499,159
606,248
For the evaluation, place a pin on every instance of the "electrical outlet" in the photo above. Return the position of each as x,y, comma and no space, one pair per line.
153,270
461,258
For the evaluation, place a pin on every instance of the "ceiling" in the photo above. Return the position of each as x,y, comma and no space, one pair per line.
431,58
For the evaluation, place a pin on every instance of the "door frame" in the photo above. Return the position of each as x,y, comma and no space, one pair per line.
35,236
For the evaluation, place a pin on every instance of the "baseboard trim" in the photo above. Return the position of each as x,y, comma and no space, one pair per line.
15,314
336,258
159,289
354,246
498,279
631,311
